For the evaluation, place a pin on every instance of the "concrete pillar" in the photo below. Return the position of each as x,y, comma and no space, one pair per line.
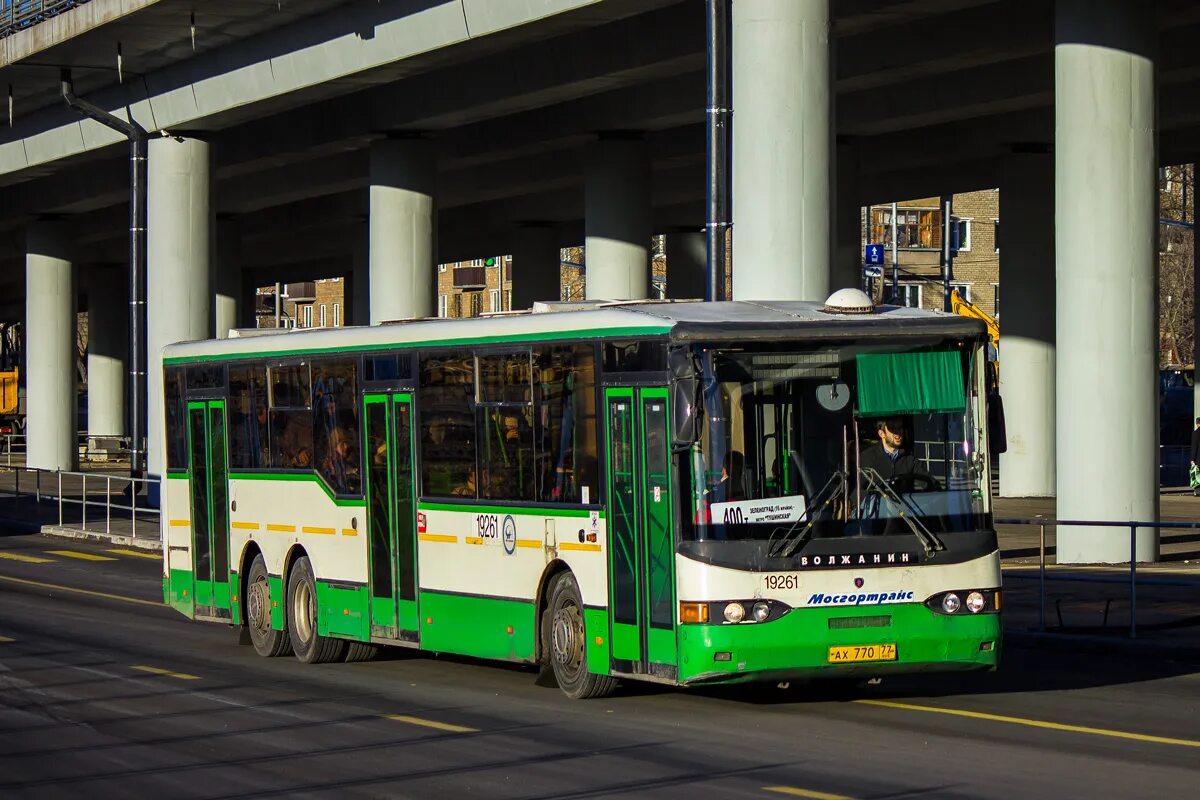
1027,343
178,290
49,335
783,199
536,265
226,278
1106,255
360,281
687,264
846,269
617,219
107,353
403,239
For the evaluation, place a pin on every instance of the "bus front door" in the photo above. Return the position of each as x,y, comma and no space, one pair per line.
391,515
641,543
210,509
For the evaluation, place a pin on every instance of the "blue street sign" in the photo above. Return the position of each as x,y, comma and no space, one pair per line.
874,254
872,271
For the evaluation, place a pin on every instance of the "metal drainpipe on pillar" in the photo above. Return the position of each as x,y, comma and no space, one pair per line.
947,251
137,265
719,123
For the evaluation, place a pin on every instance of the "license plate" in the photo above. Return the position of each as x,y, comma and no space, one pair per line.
862,652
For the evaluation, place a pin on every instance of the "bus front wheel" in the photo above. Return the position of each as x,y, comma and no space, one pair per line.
568,643
308,645
267,641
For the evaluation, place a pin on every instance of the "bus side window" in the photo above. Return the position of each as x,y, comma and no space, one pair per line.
290,418
248,418
505,419
173,408
335,424
565,423
447,397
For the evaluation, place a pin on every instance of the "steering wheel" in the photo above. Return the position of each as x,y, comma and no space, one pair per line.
914,482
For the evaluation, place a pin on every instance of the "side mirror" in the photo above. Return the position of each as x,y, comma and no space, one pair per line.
997,434
684,413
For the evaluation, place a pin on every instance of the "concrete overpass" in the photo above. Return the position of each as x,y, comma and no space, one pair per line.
373,138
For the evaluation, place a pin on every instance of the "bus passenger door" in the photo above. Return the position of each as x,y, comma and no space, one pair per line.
391,515
209,485
640,533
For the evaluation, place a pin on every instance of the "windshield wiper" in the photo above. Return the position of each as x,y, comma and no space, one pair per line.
928,540
788,545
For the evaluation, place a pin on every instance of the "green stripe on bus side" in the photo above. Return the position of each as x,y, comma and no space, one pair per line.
179,591
547,511
595,626
178,475
343,611
278,608
296,476
549,336
478,626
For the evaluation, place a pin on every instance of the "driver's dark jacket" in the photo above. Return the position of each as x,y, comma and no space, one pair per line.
905,463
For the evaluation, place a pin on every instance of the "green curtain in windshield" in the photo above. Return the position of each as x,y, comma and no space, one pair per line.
910,383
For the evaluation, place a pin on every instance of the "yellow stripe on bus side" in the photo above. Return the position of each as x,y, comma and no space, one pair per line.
590,548
529,542
271,526
473,540
245,526
180,523
436,537
349,532
323,531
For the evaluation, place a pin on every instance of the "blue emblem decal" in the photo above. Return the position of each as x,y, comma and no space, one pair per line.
510,535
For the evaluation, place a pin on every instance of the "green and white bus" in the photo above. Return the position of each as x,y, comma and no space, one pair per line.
659,491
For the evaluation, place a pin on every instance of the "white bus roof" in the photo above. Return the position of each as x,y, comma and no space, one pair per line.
683,321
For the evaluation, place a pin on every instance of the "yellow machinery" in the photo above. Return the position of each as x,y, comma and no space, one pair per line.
968,309
9,400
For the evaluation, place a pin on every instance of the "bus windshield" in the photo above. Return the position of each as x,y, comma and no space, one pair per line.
799,443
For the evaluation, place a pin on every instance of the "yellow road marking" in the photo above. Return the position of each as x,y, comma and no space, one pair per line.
429,723
473,540
183,676
27,559
87,592
1036,723
6,640
436,537
245,526
349,532
80,556
795,791
271,526
325,531
529,542
180,523
136,553
591,548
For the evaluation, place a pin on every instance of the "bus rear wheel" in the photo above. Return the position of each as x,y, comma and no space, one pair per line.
567,651
308,645
267,641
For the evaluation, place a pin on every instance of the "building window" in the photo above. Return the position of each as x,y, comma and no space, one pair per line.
308,315
476,262
324,321
476,303
996,234
963,289
962,236
496,300
337,315
910,295
996,300
441,267
508,299
443,305
916,228
457,306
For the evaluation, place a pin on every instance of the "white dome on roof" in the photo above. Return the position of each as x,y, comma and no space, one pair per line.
849,301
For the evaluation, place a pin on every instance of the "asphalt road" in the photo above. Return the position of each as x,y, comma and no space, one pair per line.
105,693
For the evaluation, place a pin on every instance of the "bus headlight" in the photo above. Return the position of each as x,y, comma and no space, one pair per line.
735,612
761,611
975,602
951,603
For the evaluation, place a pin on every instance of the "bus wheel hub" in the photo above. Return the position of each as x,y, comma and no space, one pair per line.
567,643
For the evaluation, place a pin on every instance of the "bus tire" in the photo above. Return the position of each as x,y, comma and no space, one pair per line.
308,645
267,641
568,645
360,651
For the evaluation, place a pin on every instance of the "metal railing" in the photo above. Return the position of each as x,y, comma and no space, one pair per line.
63,492
13,446
1132,525
16,15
